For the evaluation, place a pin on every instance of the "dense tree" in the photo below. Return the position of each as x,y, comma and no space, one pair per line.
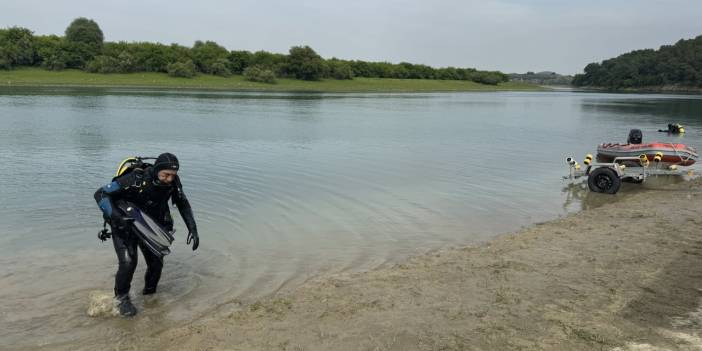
86,31
304,63
83,41
83,48
211,58
48,52
16,47
239,60
338,69
418,71
271,61
679,64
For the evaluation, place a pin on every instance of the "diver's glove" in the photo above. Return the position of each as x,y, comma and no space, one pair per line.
194,238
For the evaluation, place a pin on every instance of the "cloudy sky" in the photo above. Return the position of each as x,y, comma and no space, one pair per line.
506,35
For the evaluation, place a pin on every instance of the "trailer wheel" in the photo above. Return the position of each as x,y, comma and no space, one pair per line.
604,180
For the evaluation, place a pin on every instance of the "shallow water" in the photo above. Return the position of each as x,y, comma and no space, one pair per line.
284,186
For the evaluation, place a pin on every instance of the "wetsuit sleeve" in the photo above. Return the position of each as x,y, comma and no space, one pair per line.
186,212
105,195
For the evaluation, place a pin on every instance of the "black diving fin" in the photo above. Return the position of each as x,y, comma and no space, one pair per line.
156,238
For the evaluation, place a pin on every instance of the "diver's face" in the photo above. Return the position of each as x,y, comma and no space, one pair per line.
166,176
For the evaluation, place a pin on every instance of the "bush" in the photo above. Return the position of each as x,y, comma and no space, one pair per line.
490,78
5,59
150,57
76,55
103,64
207,54
125,62
239,60
184,69
268,60
304,63
448,73
339,70
219,68
258,74
46,47
54,63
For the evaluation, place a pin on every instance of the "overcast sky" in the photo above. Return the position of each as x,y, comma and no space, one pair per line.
505,35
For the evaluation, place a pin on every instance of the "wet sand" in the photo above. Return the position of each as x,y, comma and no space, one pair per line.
623,276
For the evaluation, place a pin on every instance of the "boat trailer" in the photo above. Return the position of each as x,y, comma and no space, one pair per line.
608,177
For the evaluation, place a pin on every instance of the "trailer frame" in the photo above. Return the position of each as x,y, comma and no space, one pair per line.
606,177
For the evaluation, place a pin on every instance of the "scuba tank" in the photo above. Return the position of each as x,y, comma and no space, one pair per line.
156,238
131,164
128,165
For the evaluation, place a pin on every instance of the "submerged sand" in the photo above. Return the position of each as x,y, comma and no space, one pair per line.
624,276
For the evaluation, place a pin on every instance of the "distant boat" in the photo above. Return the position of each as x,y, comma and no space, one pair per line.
673,154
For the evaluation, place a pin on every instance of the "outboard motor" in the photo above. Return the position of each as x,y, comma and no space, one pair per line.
635,136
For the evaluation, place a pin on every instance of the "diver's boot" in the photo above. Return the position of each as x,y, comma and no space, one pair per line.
148,291
126,309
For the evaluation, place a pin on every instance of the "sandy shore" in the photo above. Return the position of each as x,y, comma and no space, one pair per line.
623,276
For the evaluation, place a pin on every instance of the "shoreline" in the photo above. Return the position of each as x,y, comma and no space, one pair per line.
666,89
33,77
624,276
618,277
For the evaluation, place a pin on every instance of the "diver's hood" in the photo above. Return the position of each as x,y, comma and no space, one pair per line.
166,161
155,237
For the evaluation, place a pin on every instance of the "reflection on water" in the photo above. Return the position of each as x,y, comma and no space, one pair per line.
579,197
684,109
284,186
650,113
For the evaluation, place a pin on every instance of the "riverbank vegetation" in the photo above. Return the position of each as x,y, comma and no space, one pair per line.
542,78
83,48
671,67
35,76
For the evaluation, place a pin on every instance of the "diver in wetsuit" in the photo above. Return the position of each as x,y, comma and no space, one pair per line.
149,189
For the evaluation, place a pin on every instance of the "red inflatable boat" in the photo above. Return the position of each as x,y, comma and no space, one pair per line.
673,154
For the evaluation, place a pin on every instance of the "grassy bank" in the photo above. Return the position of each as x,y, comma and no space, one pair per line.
40,77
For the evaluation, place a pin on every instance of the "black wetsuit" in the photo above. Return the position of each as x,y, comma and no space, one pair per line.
142,188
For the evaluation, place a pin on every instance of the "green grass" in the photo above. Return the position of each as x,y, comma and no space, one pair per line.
77,78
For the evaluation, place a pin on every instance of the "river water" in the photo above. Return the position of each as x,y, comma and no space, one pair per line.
284,186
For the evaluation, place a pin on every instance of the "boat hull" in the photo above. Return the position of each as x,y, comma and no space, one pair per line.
673,154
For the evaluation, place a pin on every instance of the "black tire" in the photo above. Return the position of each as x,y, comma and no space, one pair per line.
604,180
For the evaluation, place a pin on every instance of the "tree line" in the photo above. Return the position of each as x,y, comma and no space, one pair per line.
541,78
83,47
679,65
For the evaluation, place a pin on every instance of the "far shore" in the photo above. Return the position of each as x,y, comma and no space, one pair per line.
28,77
